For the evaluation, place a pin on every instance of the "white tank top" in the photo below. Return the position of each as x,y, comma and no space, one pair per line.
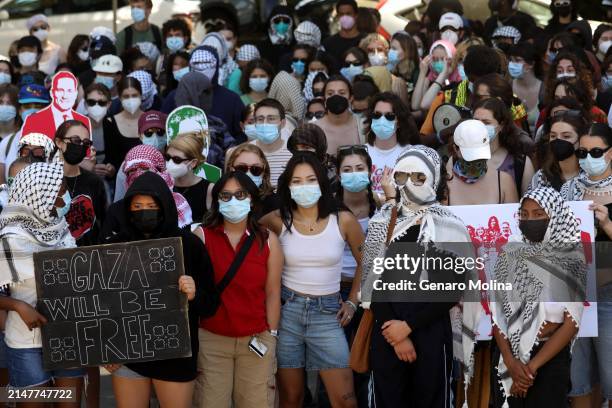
349,264
313,263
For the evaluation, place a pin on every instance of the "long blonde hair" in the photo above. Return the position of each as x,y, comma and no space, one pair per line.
266,185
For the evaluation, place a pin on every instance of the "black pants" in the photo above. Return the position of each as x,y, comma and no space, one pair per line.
424,383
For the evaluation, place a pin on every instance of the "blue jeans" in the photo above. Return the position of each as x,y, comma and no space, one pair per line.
25,367
310,335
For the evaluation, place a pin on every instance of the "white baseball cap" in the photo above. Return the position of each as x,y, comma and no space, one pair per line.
450,19
108,64
473,140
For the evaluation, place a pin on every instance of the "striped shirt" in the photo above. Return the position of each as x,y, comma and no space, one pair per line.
277,160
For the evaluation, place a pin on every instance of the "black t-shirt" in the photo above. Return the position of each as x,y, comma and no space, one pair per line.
196,197
337,46
87,208
116,145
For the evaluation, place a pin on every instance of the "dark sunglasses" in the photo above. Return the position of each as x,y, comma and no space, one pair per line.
94,102
318,115
353,148
595,152
304,60
352,63
227,196
175,159
390,116
36,151
255,169
75,140
149,133
282,20
401,178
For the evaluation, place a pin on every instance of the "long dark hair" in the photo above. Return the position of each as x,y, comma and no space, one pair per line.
171,83
327,204
362,152
214,218
407,131
508,136
61,131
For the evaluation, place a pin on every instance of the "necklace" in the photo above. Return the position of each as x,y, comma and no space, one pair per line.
312,225
71,190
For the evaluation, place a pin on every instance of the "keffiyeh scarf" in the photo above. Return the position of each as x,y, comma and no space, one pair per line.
226,63
538,272
275,37
308,94
38,139
27,224
149,90
576,188
286,89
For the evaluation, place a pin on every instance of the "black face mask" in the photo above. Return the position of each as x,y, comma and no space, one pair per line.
564,11
336,104
74,153
561,149
146,221
534,230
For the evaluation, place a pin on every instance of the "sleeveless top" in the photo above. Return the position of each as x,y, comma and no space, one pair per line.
313,263
348,260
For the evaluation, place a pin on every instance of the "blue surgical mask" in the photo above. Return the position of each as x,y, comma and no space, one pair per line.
515,69
250,131
180,73
356,181
27,113
594,167
461,70
7,112
267,133
175,43
351,71
235,210
281,28
138,14
383,128
393,56
108,82
298,67
492,132
158,142
306,195
606,82
471,86
62,211
258,180
5,78
258,84
438,66
550,56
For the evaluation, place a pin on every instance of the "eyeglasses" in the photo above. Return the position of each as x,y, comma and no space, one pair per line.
227,196
75,140
151,132
94,102
390,116
254,169
417,178
595,152
36,151
352,64
175,159
267,119
318,115
304,60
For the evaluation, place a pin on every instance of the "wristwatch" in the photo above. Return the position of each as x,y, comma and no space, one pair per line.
274,333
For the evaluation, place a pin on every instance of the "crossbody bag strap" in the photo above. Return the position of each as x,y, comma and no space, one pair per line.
391,226
231,271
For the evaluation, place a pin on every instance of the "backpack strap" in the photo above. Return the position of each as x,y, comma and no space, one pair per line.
157,36
9,144
129,36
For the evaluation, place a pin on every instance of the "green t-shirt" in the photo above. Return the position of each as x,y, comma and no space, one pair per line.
137,36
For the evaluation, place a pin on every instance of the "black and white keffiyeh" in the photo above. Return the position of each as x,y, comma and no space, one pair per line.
38,139
552,269
27,224
149,89
581,185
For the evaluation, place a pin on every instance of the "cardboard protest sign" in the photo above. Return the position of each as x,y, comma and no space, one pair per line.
115,303
189,119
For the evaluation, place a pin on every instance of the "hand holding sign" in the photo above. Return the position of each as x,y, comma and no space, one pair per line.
187,286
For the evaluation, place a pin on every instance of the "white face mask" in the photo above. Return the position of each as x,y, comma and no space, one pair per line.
377,59
27,58
604,46
83,55
177,170
42,35
131,104
450,36
97,112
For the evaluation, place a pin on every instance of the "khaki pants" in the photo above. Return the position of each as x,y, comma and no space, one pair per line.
229,371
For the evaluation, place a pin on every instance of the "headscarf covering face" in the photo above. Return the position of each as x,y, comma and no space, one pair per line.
149,50
450,53
205,60
193,89
38,139
418,160
275,36
149,90
308,93
226,63
308,33
287,90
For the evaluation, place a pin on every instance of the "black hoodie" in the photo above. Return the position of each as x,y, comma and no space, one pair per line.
197,265
272,52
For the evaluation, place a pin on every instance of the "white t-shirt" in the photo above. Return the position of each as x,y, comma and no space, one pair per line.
17,334
381,159
8,154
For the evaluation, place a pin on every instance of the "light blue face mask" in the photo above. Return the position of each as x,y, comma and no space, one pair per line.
250,131
27,113
492,132
437,66
281,28
175,43
594,167
393,56
158,142
258,84
7,112
258,180
267,133
351,71
108,82
306,195
138,14
180,73
383,128
356,181
235,210
5,78
606,82
515,69
461,70
298,67
62,211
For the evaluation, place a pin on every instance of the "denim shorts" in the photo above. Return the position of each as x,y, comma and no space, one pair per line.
592,356
309,335
125,372
2,351
25,366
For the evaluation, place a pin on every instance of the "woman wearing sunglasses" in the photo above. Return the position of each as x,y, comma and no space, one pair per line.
182,156
238,343
355,60
392,128
251,160
558,162
313,233
594,183
315,110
